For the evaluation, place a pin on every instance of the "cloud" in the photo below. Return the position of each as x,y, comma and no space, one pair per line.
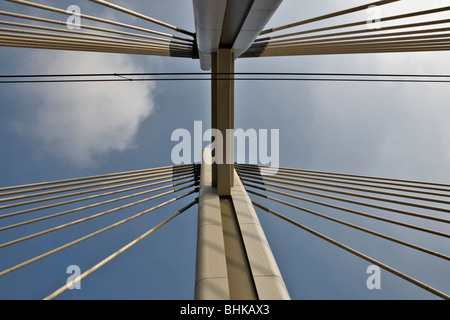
418,137
84,122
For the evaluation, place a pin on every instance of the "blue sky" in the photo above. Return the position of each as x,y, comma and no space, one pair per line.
59,131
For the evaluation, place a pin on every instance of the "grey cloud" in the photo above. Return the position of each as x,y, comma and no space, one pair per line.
82,122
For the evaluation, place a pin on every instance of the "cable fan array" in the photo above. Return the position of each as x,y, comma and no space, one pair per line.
137,40
395,35
305,187
124,191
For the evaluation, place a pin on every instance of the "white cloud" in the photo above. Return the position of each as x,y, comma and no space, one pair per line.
83,122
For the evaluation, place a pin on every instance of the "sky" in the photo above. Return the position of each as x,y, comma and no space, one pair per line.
61,131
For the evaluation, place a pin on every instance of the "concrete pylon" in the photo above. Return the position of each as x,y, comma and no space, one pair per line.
234,259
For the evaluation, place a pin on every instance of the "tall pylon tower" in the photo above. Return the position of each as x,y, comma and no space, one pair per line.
234,260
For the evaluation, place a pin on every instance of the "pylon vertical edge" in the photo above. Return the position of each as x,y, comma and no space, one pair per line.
225,119
214,110
268,281
211,270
